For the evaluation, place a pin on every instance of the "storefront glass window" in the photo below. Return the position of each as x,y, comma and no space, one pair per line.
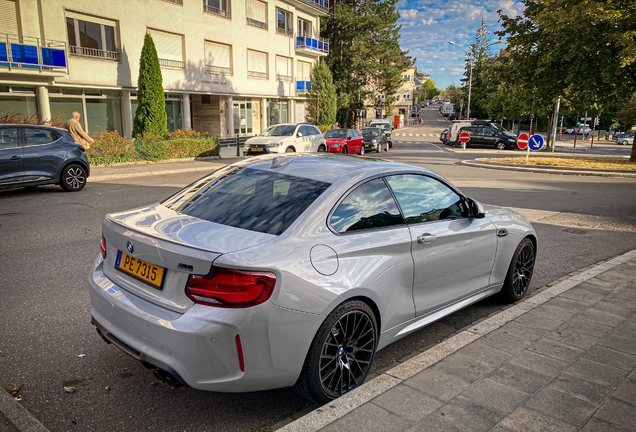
17,104
277,112
103,114
64,107
173,111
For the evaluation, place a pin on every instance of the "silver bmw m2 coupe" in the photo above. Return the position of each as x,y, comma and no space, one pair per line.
295,270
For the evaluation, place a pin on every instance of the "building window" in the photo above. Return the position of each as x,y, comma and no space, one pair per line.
277,112
304,27
257,64
217,7
169,48
408,78
92,36
173,110
218,58
100,109
284,23
17,100
284,68
303,72
256,13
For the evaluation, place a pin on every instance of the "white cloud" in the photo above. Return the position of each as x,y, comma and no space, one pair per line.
408,14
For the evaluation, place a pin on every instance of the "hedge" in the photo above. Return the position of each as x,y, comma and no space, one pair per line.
110,147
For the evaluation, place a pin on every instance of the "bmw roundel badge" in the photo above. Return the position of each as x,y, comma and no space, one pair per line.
130,246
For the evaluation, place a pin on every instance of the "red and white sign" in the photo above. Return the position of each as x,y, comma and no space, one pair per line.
522,141
464,137
577,129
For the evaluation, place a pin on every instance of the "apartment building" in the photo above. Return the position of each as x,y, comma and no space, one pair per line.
402,99
229,66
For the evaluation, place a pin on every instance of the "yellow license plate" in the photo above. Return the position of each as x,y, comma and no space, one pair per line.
257,149
140,269
366,145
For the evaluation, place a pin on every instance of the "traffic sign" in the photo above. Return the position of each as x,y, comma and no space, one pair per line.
522,141
586,118
464,137
536,142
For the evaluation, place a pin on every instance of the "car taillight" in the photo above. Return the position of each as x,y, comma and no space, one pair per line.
102,247
228,288
82,148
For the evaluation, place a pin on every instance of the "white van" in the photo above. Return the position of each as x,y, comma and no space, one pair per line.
447,109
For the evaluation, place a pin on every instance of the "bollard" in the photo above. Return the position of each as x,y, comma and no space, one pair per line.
238,142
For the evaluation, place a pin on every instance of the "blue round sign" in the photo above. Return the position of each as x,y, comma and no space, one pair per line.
535,142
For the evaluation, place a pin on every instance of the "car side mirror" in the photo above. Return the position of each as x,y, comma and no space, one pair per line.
477,211
299,134
348,137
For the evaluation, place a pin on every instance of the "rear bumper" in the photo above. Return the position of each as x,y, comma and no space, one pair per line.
199,347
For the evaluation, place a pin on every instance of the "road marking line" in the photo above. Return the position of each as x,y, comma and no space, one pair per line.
338,408
410,134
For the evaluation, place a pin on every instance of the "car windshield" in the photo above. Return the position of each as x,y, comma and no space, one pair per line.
370,132
248,198
336,133
384,126
285,130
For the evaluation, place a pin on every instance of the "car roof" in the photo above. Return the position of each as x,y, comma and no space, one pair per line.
31,126
326,167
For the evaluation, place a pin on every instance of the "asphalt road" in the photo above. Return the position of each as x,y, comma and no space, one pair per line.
49,239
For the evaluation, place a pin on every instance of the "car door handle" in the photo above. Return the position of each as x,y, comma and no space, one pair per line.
502,232
15,157
426,238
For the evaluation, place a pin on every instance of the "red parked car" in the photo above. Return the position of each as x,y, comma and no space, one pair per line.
345,141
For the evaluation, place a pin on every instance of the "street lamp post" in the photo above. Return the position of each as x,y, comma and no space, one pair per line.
470,79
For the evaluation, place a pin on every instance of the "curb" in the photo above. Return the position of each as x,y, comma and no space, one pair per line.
536,154
18,416
336,409
560,168
478,164
145,174
145,162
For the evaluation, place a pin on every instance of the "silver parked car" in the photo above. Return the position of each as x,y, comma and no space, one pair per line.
295,270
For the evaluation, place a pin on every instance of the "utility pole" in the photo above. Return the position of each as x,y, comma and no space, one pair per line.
555,120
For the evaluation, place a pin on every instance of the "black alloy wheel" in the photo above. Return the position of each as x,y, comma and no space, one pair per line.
341,353
520,271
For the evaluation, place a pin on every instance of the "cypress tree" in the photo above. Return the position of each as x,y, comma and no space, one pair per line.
321,98
151,112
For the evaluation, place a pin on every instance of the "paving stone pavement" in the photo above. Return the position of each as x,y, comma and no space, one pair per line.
567,365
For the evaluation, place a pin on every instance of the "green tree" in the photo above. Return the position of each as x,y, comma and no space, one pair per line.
321,98
428,90
151,112
364,56
584,51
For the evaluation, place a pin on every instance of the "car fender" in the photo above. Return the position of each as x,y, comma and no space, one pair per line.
67,162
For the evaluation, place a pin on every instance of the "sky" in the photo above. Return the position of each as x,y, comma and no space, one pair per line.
428,25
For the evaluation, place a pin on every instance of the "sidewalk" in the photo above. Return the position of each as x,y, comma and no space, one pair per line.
561,360
228,156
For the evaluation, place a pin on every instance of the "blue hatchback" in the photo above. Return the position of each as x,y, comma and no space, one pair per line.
37,155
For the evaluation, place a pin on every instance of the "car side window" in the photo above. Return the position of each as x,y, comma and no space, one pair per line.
8,138
368,206
488,131
317,131
425,199
302,131
309,130
38,136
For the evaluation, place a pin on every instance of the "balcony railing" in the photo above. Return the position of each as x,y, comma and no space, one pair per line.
175,64
255,23
284,32
320,4
302,85
177,2
218,70
257,75
320,45
27,53
94,53
225,13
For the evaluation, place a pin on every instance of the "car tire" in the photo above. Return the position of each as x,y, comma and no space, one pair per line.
321,149
290,150
361,150
344,150
520,272
500,146
348,339
390,144
73,178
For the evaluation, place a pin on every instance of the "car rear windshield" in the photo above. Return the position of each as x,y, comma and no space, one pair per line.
335,133
248,198
286,130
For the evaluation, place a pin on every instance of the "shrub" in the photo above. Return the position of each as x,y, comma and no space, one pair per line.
187,133
324,128
34,119
109,148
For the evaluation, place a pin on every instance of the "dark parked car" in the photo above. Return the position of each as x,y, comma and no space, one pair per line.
374,139
491,135
39,155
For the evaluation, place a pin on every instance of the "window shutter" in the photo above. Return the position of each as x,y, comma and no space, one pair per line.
304,70
90,18
283,66
169,45
8,17
257,10
218,55
256,61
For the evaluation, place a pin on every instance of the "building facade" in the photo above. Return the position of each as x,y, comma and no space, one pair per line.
229,66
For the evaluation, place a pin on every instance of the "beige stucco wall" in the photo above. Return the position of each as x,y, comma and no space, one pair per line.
135,16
